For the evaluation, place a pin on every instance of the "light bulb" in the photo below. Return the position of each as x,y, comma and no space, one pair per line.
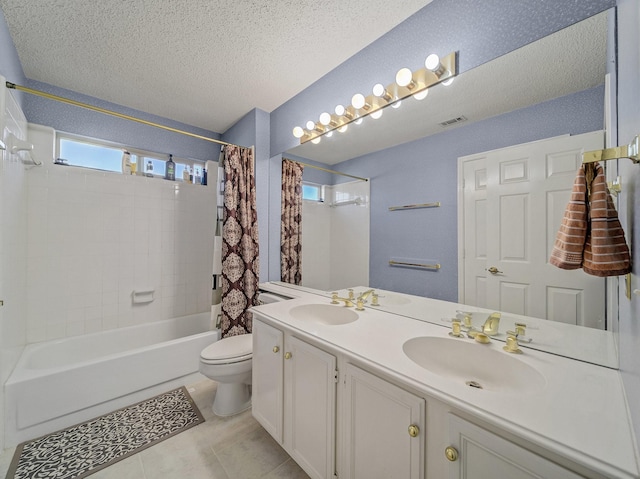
329,135
311,125
396,104
404,77
421,95
378,89
298,132
316,140
376,114
432,62
448,81
325,118
358,121
343,128
339,110
357,101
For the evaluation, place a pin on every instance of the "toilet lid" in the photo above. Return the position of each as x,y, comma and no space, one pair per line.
230,349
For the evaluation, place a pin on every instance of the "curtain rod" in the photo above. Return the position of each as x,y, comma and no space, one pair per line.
327,170
43,94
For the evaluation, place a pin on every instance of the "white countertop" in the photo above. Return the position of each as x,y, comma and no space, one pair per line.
581,413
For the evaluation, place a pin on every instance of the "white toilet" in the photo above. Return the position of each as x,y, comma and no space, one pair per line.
228,362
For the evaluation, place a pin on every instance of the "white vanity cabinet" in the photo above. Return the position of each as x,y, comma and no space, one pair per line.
384,429
475,453
294,397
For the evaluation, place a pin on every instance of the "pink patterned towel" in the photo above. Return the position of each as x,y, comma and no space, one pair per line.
591,236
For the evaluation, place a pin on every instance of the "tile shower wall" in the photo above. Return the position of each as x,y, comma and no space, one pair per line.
13,244
96,237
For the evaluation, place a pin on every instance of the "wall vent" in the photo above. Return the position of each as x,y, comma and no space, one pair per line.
453,121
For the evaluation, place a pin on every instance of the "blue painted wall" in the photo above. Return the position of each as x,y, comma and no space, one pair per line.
81,121
629,199
10,66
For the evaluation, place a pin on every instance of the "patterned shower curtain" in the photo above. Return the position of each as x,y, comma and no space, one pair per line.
291,223
240,263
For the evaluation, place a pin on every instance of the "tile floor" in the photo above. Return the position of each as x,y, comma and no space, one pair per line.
220,448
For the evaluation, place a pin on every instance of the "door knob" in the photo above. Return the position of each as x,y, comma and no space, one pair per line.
287,355
276,349
451,453
414,430
494,270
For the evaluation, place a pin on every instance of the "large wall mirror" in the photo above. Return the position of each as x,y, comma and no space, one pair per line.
552,87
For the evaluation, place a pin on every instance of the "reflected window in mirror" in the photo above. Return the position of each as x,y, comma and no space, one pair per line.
313,192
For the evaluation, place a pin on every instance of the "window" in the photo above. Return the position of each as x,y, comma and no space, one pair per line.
107,156
312,192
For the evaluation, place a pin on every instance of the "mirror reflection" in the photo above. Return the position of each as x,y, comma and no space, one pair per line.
428,151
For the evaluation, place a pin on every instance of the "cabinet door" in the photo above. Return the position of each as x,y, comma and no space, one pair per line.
310,397
484,455
377,417
267,378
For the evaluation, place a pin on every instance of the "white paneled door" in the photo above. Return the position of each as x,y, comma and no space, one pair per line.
512,204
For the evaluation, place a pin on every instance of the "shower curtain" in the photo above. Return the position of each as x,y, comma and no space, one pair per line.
291,223
240,262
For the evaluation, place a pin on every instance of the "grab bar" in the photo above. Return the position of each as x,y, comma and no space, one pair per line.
414,265
412,207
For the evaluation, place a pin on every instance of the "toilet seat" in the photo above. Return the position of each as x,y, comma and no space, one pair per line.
233,349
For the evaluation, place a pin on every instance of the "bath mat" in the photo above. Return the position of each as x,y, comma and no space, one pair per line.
81,450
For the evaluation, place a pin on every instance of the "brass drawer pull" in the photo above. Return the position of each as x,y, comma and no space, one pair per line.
451,453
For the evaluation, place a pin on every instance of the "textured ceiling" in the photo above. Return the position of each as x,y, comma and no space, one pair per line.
571,60
201,62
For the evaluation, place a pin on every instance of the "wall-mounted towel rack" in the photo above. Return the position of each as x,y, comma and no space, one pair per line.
630,151
356,201
412,207
414,265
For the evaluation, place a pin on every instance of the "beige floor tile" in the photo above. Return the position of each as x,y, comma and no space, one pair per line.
5,460
254,456
182,456
288,470
129,468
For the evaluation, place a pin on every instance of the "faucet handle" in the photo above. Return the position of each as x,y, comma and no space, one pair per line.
351,294
520,329
359,304
455,332
334,298
512,343
374,299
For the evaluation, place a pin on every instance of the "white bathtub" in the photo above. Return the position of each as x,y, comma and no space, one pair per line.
59,383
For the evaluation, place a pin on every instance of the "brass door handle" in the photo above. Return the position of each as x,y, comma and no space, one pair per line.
276,349
494,270
414,430
451,453
288,355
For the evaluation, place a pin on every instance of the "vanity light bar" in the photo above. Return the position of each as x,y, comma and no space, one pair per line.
415,85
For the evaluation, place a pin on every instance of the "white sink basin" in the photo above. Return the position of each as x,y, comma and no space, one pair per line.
324,314
477,365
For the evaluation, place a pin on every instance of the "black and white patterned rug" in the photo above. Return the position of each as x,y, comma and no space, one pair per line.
86,448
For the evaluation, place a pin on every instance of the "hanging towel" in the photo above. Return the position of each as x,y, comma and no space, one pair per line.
590,236
606,252
571,237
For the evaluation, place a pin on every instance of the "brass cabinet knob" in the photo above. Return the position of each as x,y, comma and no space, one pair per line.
494,270
287,355
276,349
451,453
414,430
